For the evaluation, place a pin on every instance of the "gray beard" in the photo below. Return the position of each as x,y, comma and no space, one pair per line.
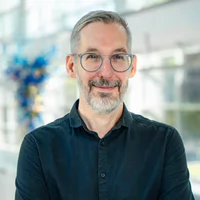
102,103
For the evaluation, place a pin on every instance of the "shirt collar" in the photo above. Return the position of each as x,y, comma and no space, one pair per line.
125,119
76,120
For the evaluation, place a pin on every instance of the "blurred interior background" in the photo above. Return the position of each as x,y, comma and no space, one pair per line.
35,88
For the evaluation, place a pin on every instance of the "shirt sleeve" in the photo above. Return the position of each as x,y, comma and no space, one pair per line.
30,180
175,180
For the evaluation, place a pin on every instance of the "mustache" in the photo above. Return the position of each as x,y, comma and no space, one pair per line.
104,82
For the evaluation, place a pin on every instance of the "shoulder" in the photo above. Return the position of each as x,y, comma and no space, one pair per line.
51,131
156,133
141,120
152,127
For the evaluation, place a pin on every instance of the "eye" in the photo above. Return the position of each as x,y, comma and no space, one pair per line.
92,56
118,57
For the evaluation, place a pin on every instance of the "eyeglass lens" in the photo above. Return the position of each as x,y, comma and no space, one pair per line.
92,62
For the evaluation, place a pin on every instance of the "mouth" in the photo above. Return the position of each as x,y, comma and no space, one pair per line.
104,88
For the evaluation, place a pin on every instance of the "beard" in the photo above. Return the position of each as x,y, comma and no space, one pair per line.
101,102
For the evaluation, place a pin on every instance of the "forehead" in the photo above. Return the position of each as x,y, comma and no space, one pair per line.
103,37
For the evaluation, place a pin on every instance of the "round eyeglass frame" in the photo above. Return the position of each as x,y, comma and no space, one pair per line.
81,55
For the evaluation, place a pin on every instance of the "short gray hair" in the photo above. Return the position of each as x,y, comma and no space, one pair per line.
106,17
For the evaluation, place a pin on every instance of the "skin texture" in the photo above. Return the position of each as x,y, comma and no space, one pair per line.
101,92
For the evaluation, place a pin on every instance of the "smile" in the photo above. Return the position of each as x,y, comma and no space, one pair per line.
104,88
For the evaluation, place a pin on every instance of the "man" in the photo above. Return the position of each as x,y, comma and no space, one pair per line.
100,150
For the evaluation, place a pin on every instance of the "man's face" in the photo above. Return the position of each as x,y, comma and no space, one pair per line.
104,89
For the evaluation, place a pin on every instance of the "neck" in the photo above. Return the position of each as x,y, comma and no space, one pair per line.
99,123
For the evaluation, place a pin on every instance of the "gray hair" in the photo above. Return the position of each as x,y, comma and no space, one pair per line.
106,17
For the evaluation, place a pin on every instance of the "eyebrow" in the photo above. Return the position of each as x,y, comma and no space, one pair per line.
92,50
122,49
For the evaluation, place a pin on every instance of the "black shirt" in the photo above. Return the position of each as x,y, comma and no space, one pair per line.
138,159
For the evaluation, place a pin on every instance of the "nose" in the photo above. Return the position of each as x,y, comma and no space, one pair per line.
106,69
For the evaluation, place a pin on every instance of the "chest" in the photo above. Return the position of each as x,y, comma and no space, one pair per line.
117,170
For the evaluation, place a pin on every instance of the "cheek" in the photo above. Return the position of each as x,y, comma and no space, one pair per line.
85,77
124,78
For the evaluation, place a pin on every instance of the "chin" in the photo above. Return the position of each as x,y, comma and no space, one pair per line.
104,105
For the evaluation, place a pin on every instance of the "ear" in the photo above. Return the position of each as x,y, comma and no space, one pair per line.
70,66
134,67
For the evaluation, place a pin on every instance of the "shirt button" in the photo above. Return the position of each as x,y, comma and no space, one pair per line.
103,175
103,143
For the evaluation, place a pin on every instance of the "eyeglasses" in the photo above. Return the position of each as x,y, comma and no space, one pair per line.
92,62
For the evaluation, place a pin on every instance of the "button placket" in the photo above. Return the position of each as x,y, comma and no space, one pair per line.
102,170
